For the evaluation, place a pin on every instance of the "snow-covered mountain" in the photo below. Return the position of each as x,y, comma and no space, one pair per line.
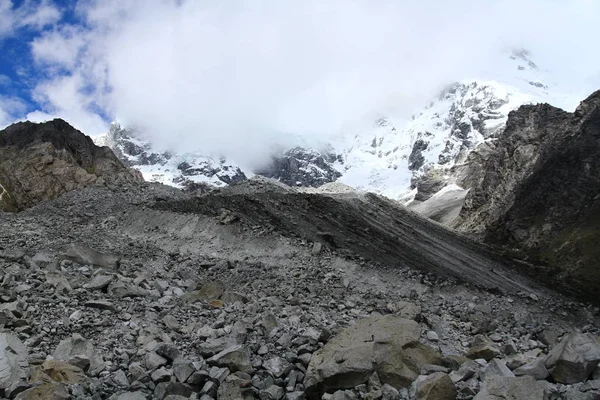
181,170
392,157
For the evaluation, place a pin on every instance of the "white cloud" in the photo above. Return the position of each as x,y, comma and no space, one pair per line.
31,13
10,109
238,76
59,48
63,98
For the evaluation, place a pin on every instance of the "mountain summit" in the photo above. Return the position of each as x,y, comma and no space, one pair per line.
408,158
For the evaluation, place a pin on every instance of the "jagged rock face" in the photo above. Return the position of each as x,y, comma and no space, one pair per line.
537,190
302,167
39,162
133,152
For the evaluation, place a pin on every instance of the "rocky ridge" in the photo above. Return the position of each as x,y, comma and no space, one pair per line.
42,161
535,191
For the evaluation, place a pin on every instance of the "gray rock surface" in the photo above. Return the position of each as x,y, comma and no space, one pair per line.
273,297
574,359
503,388
379,344
13,360
536,191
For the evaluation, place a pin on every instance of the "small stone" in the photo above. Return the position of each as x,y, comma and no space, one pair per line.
17,387
433,336
277,366
484,348
162,375
198,378
316,248
171,323
497,368
80,360
274,392
167,350
536,369
76,316
438,386
154,360
120,378
236,358
100,304
183,369
99,282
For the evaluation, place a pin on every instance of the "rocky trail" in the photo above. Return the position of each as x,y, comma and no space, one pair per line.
140,291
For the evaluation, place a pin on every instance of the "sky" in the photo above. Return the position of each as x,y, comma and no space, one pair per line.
238,76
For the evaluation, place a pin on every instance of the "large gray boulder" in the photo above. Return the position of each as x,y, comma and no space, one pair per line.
507,388
77,345
388,345
87,256
574,359
436,386
13,360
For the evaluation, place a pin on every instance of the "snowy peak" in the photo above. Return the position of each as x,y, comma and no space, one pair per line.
392,157
180,170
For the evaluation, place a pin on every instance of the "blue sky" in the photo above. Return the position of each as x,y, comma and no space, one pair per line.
16,61
208,73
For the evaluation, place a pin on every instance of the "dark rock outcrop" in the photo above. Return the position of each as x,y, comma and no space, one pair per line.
40,162
302,167
538,191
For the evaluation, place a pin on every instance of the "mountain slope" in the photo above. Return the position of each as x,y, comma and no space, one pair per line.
538,191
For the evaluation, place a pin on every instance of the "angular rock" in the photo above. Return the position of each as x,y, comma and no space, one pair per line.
503,388
78,345
87,256
536,368
13,360
81,361
120,378
497,368
167,350
400,365
162,375
273,392
277,366
100,304
165,389
17,387
208,291
154,361
387,344
574,358
132,396
100,282
437,386
46,391
232,297
183,369
236,358
483,347
57,371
